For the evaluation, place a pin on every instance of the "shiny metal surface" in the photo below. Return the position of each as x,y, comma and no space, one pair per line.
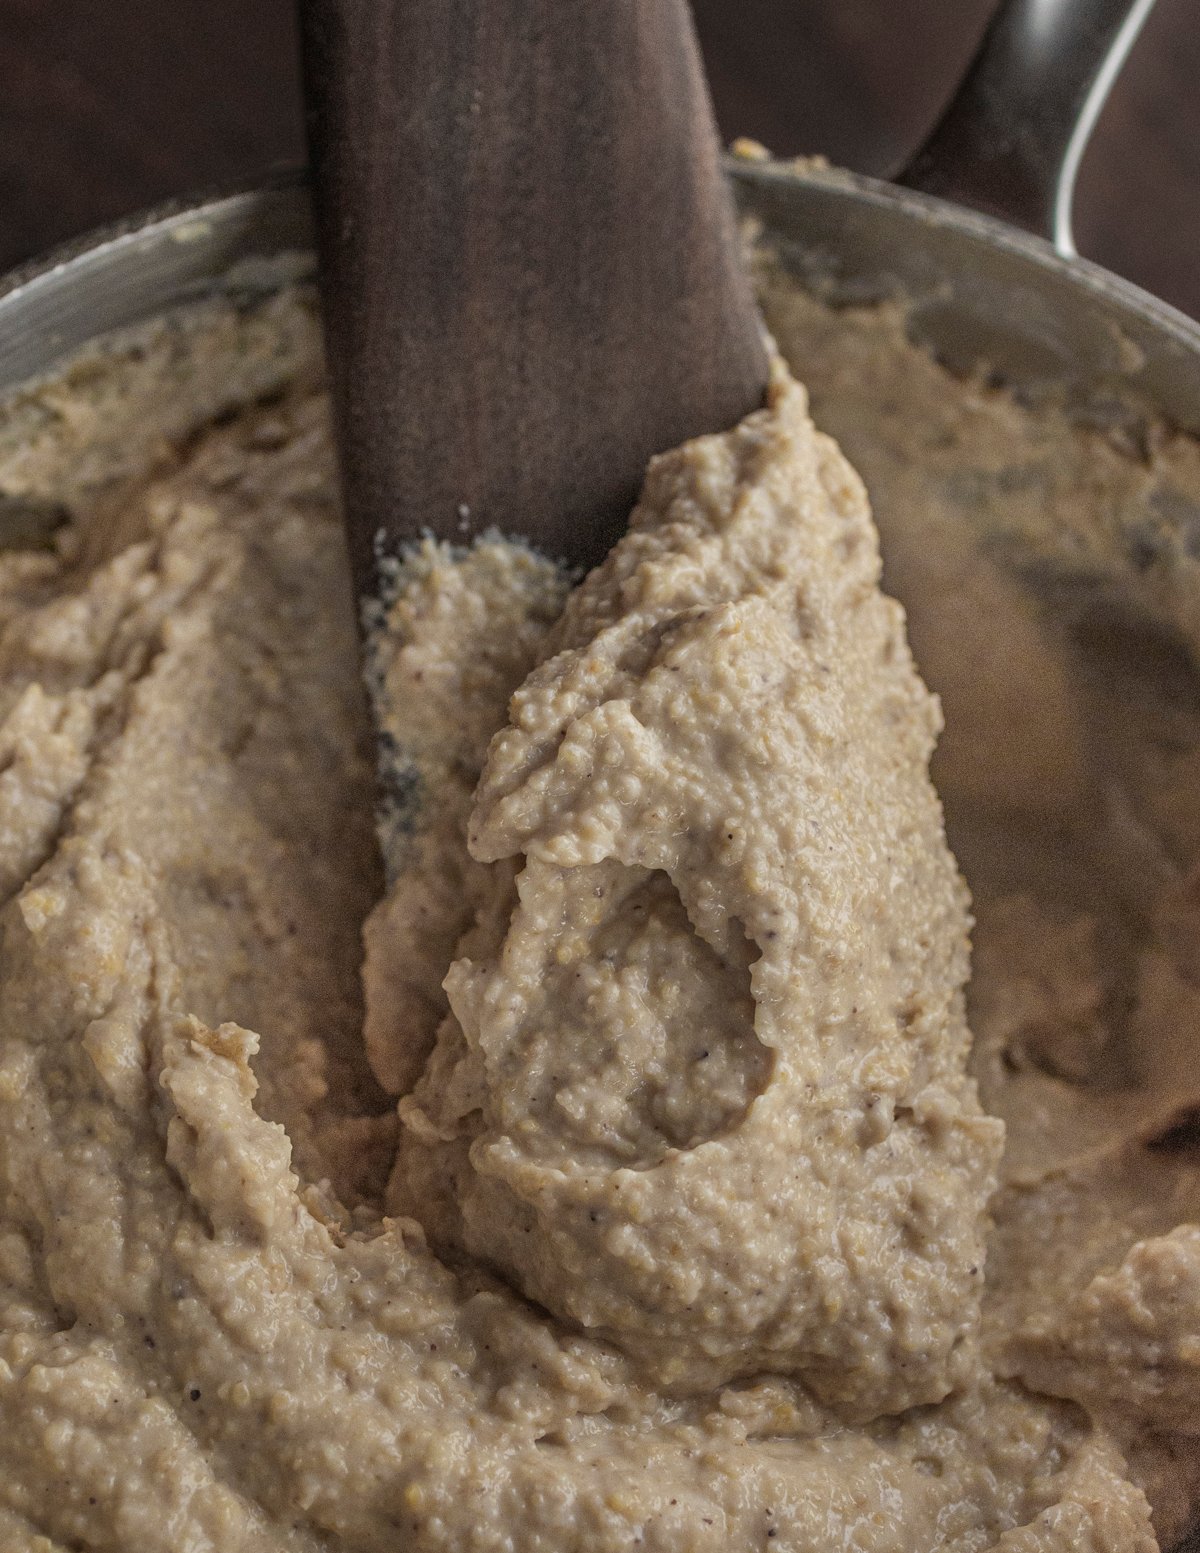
978,290
1012,140
125,274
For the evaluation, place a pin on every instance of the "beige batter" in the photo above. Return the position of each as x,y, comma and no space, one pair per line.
685,1173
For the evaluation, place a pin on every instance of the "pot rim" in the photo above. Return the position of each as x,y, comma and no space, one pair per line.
935,214
125,231
175,215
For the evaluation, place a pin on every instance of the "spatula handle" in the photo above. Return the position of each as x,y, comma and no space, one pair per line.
530,270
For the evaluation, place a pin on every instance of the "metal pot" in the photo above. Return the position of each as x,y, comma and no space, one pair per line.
1010,143
981,287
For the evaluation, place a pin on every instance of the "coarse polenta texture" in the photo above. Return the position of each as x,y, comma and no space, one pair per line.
705,1091
634,1195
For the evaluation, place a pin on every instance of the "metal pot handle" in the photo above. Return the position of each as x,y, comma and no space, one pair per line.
1012,139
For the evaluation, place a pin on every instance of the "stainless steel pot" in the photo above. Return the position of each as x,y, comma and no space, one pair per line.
981,288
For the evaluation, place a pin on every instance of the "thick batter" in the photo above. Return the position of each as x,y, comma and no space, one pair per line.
650,1211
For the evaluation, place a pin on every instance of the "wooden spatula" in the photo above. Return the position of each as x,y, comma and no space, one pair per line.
529,267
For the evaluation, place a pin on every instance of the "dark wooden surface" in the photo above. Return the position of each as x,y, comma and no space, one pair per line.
579,215
108,105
